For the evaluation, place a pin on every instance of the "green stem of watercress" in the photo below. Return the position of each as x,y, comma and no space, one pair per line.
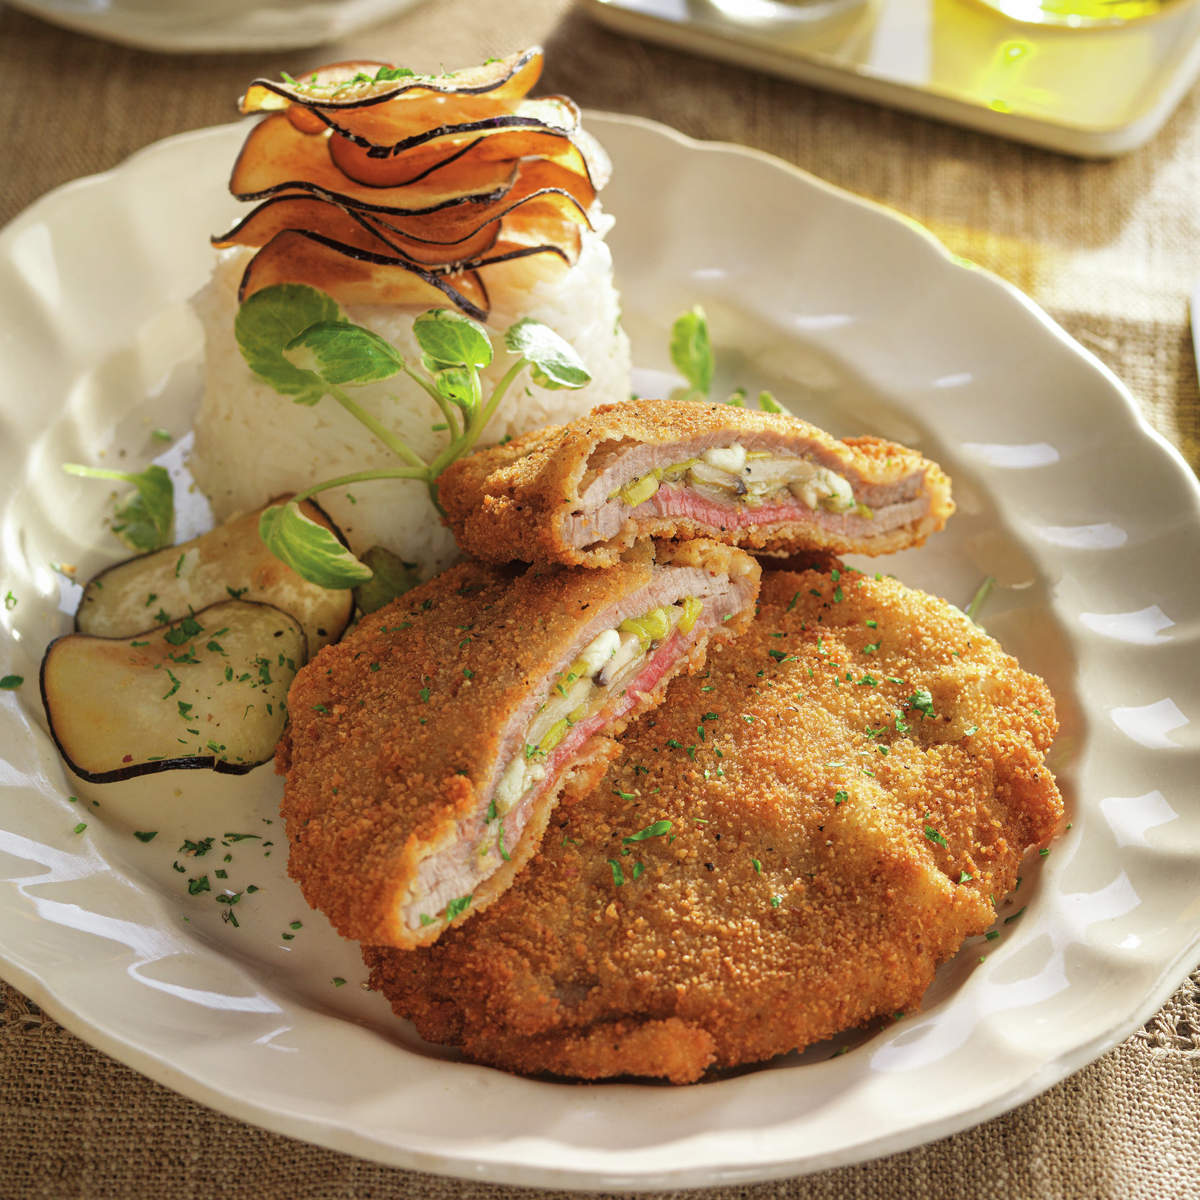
396,445
464,444
447,409
363,477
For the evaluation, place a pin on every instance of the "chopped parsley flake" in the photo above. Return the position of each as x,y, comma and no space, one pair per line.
145,835
658,829
933,835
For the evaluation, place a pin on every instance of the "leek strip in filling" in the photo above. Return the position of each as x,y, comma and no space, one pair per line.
753,477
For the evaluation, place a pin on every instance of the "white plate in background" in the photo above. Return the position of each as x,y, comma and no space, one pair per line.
860,321
215,26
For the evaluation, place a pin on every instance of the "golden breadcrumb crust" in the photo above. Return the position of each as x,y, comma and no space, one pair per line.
509,502
395,731
786,848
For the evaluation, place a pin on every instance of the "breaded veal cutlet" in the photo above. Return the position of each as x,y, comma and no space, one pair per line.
787,848
584,492
425,750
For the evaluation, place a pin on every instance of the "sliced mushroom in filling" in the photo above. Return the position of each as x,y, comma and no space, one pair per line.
756,481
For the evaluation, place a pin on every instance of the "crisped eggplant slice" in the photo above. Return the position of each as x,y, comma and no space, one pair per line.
355,276
581,493
351,227
355,86
426,750
208,690
547,216
276,157
229,562
556,115
456,148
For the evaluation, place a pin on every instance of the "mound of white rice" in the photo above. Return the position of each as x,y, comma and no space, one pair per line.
253,444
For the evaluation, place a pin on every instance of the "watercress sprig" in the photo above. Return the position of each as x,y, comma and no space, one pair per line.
146,517
692,354
298,340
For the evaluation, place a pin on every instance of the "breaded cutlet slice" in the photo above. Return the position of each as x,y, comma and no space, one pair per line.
583,492
425,750
786,848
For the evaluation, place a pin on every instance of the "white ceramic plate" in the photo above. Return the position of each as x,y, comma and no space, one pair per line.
1089,522
215,26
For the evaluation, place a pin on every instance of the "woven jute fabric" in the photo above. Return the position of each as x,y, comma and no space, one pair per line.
1109,248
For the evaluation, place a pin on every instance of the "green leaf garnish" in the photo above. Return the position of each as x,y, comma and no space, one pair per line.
691,351
391,577
459,385
144,519
309,549
658,829
339,352
553,362
981,595
387,74
451,339
269,321
933,835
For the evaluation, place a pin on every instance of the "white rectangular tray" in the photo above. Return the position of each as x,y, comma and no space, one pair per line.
1094,93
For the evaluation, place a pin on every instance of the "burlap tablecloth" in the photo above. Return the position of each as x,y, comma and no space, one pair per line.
1110,248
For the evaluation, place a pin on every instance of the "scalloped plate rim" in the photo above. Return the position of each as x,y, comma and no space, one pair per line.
502,1170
